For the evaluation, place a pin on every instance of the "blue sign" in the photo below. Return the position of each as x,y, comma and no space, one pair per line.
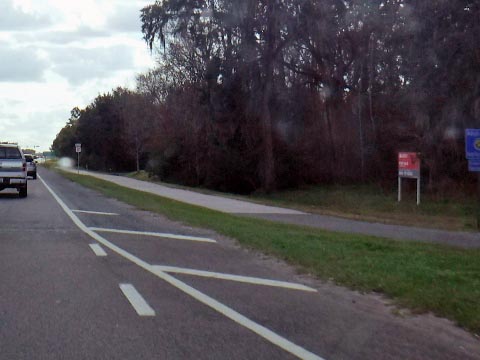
472,143
474,165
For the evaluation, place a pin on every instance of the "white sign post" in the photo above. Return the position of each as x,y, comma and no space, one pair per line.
78,150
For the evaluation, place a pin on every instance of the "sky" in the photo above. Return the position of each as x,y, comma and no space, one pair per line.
59,54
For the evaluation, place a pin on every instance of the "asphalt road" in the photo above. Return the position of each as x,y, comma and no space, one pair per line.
245,208
59,300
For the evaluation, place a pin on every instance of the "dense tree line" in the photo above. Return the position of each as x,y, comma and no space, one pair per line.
265,94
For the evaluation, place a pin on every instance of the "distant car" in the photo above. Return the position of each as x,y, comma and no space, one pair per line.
13,169
31,166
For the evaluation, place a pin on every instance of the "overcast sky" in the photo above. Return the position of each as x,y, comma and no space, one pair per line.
58,54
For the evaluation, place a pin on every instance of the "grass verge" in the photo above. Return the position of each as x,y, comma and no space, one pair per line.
421,277
363,202
372,203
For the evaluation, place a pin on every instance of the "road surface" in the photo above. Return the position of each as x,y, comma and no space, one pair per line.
87,277
245,208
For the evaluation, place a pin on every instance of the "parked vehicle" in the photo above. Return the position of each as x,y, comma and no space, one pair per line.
31,166
13,169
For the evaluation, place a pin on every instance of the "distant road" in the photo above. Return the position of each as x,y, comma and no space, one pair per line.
87,277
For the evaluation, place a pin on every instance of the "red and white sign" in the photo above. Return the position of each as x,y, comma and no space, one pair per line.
408,165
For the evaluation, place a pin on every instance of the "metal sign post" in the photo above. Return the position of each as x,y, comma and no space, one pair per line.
78,150
408,167
472,153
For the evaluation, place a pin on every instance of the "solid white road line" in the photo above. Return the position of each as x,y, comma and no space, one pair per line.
240,319
239,278
149,233
97,249
95,212
137,301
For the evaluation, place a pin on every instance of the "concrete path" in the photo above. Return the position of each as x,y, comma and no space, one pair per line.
244,208
213,202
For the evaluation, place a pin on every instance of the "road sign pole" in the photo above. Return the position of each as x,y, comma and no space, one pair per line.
418,190
78,150
399,189
478,200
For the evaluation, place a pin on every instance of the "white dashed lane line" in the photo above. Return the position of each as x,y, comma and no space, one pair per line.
216,305
138,302
239,278
98,250
95,212
156,234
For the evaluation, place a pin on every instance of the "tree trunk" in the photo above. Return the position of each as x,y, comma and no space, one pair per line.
370,84
360,126
268,162
333,163
268,158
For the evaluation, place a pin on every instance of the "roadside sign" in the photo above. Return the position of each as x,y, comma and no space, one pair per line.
78,150
472,153
472,143
408,165
474,165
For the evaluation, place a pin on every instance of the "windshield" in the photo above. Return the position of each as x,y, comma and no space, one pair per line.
10,153
240,179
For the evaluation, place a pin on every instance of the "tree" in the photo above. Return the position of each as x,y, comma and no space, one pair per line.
265,94
64,143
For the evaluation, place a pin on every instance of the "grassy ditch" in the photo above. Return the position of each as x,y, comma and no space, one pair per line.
364,202
49,164
370,202
421,277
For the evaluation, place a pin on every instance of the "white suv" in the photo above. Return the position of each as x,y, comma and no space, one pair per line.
31,166
13,169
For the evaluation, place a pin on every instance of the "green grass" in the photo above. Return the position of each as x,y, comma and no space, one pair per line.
421,277
373,203
139,175
364,202
49,164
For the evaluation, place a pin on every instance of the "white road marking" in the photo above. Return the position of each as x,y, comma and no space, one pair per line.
239,278
138,302
240,319
97,249
149,233
95,212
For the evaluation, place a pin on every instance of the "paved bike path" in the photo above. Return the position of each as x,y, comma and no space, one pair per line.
214,202
290,216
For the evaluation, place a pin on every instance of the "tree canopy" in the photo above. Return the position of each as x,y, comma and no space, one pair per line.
265,94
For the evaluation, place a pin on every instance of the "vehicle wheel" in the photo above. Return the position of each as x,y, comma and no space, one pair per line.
35,176
23,192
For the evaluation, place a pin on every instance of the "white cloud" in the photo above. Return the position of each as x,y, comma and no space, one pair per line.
58,54
15,18
65,37
21,64
78,65
126,19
